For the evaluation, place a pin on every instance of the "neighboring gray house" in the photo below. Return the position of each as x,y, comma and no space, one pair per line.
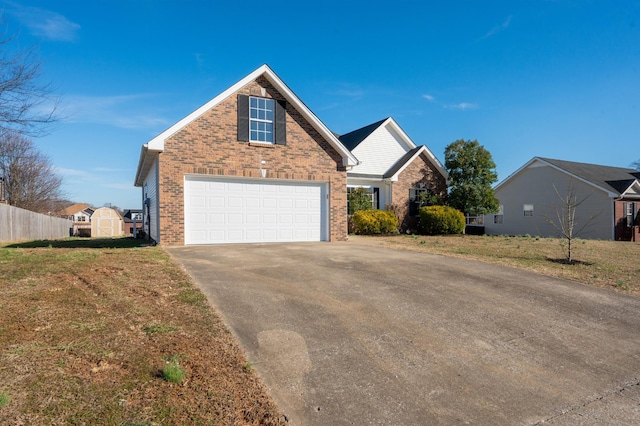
530,198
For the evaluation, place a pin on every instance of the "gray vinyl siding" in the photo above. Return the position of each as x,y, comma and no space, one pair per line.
535,185
151,186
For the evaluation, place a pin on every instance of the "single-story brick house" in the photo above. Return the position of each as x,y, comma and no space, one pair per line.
393,169
531,197
254,164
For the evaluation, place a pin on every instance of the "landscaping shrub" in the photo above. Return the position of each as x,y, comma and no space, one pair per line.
438,220
375,222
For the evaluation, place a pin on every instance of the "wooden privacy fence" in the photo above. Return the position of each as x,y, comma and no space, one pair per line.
20,225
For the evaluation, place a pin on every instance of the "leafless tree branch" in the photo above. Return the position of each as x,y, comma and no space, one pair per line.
564,220
30,181
27,104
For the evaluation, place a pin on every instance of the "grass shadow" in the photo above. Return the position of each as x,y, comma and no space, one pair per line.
565,261
74,242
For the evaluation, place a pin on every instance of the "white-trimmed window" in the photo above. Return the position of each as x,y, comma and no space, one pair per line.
527,209
262,120
498,218
474,219
372,193
417,198
261,112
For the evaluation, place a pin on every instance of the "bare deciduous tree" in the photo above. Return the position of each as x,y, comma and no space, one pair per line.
636,165
27,104
565,220
30,181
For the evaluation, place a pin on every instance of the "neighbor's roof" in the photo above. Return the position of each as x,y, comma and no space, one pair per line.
151,149
614,179
617,181
73,209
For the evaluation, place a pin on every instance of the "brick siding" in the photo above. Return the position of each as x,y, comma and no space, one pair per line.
622,231
209,146
420,171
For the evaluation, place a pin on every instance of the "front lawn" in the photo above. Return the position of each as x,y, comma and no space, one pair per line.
107,332
608,264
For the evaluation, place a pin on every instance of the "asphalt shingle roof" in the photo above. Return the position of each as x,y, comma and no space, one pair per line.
352,139
615,179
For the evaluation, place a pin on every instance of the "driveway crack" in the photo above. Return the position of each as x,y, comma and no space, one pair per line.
625,386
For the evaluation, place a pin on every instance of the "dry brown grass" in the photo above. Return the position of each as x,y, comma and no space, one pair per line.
608,264
86,329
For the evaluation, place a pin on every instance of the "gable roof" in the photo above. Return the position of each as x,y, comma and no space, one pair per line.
352,139
156,145
615,181
74,208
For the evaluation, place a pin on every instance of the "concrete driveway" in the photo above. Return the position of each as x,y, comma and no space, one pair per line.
344,333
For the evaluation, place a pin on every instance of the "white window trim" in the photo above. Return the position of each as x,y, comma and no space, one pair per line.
265,132
528,210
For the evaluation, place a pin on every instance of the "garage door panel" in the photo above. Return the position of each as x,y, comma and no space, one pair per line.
253,211
285,203
198,201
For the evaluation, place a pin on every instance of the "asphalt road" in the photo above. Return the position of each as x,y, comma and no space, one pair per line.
345,334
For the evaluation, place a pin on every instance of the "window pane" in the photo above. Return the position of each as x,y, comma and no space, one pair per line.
261,119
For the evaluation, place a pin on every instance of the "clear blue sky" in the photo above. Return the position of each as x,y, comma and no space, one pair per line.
558,79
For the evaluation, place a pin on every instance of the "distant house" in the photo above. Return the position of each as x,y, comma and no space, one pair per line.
393,169
132,217
80,214
531,198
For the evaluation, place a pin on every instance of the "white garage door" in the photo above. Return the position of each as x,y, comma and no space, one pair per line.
250,211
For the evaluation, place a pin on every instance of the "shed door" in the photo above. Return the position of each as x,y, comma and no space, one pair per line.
254,211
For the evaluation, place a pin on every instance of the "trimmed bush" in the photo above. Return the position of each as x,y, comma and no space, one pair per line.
369,222
439,220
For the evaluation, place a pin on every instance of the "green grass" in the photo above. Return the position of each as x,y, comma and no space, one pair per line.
172,372
4,399
75,242
193,297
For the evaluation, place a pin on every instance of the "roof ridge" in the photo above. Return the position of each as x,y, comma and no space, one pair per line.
353,138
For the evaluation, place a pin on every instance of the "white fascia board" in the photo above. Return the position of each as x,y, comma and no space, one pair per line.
390,122
157,143
423,148
349,159
512,175
406,139
147,157
633,191
355,180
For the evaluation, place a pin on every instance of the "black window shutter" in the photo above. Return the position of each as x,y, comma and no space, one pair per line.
243,118
281,123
